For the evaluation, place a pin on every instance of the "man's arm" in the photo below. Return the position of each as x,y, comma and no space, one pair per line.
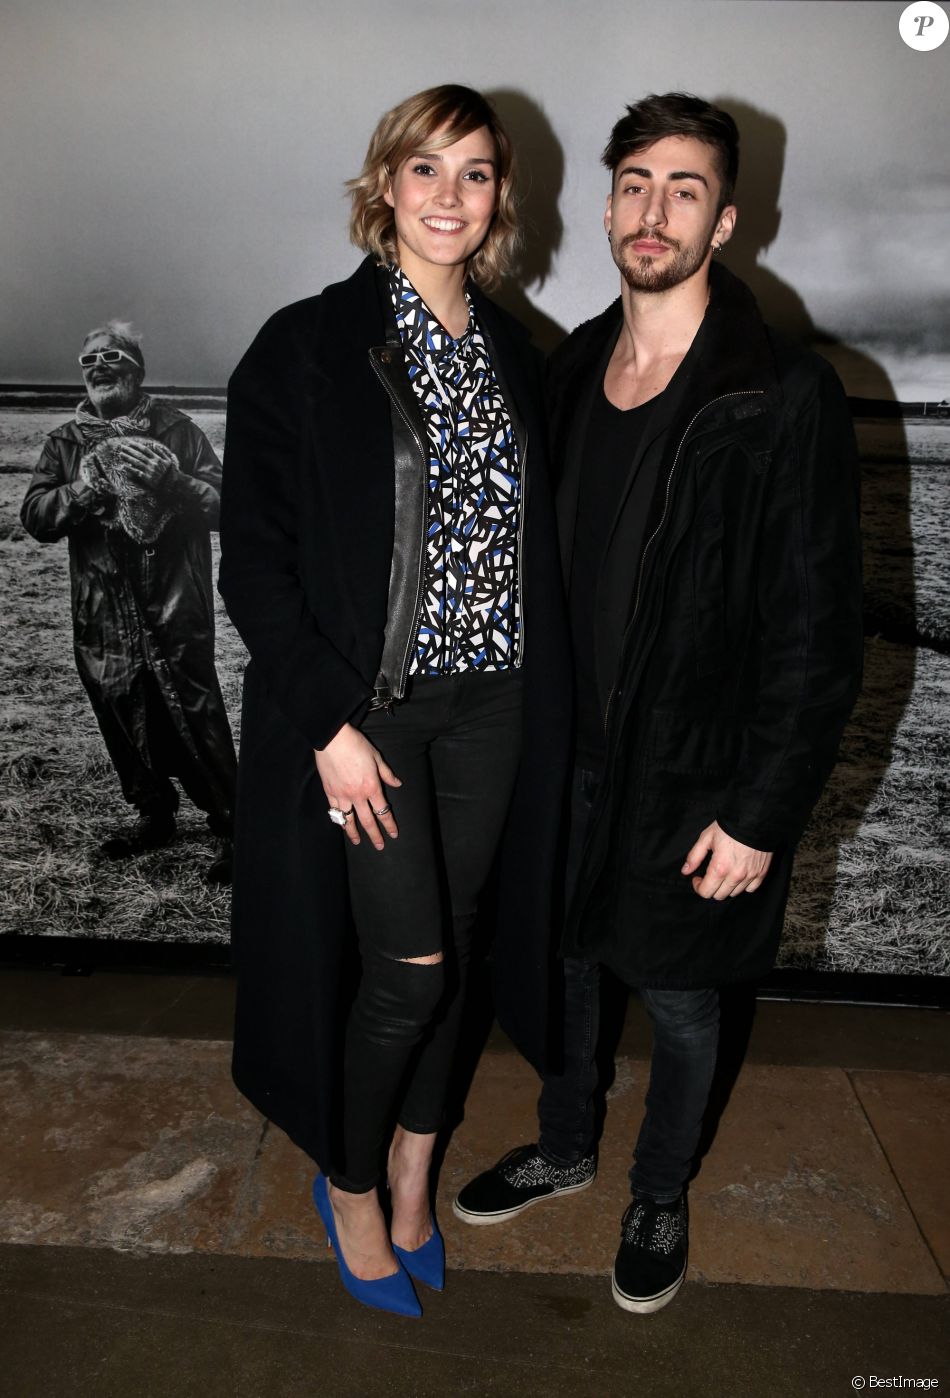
194,488
53,504
810,641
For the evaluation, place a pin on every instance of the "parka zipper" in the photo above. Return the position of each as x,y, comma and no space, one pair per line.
739,393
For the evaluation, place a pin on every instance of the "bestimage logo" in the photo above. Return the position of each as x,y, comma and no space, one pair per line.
896,1381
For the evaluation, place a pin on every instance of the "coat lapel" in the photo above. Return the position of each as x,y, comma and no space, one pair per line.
584,387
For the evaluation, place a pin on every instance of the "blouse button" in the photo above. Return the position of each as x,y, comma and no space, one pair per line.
386,357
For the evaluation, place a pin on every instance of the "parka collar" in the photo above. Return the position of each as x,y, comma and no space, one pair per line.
730,354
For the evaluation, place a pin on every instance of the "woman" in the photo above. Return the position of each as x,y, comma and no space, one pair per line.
387,551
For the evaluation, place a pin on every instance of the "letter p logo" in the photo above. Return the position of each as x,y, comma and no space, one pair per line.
924,26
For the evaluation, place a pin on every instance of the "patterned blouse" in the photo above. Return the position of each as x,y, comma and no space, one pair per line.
470,617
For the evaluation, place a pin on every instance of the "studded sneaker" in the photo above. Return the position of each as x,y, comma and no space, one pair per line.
651,1260
524,1176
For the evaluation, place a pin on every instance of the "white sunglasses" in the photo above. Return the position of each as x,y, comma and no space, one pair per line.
106,356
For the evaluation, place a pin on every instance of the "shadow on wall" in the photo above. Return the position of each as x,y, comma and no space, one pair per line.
540,172
867,748
890,609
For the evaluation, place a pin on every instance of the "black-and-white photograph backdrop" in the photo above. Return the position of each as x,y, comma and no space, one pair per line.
179,169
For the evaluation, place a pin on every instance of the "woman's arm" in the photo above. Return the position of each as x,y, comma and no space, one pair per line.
315,686
312,683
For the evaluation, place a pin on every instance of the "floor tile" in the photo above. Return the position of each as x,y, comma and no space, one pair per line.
796,1191
276,1216
144,1145
910,1114
131,1143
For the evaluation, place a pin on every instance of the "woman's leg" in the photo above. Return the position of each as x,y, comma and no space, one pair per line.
474,762
397,909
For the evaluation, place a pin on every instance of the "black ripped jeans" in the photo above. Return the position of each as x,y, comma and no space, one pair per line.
455,744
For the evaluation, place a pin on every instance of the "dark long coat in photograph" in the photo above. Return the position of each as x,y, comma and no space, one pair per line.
135,605
729,654
307,533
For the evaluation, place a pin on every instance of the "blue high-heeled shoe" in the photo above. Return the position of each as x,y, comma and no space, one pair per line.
394,1293
426,1263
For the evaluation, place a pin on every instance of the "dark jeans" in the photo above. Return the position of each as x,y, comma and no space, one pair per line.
455,744
685,1043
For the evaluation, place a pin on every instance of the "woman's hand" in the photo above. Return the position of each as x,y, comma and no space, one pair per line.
353,772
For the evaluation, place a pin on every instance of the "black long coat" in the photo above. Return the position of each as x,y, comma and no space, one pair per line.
134,604
307,541
729,658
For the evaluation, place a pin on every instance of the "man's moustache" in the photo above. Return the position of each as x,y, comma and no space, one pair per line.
646,236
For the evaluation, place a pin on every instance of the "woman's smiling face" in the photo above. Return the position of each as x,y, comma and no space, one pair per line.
443,201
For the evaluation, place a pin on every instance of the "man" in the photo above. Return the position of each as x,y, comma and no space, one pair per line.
134,485
708,517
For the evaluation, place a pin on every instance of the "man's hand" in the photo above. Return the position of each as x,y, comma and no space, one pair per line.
147,465
353,772
732,868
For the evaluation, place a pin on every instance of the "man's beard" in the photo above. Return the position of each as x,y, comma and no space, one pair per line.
117,396
643,274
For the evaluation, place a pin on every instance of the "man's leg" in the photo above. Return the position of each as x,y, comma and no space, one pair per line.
685,1044
564,1159
124,721
651,1260
204,762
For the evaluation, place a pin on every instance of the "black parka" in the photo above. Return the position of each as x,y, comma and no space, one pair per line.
137,605
307,535
729,653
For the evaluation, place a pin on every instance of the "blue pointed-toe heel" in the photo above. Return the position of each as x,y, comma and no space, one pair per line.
426,1264
394,1293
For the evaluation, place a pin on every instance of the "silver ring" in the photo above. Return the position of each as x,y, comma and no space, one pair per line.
337,816
384,811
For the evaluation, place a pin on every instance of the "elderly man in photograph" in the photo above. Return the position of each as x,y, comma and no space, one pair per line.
708,519
134,486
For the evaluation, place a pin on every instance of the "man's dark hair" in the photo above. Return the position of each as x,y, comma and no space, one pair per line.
678,114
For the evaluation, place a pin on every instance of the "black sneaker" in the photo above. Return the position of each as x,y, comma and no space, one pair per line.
651,1259
524,1176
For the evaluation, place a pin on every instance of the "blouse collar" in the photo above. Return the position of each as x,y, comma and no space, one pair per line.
419,328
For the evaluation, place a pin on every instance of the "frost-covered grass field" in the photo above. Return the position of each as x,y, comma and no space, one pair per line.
870,891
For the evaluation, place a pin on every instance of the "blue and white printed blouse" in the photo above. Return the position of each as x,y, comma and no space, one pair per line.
470,617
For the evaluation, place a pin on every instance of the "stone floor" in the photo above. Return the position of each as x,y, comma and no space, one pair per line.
157,1238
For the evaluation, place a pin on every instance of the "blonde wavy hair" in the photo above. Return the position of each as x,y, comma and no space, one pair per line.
453,112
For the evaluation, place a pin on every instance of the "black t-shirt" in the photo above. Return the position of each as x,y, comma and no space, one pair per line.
613,440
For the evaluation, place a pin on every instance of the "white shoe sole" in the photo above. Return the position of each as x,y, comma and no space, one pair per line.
482,1220
645,1305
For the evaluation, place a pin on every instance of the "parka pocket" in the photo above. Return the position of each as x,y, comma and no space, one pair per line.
689,763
